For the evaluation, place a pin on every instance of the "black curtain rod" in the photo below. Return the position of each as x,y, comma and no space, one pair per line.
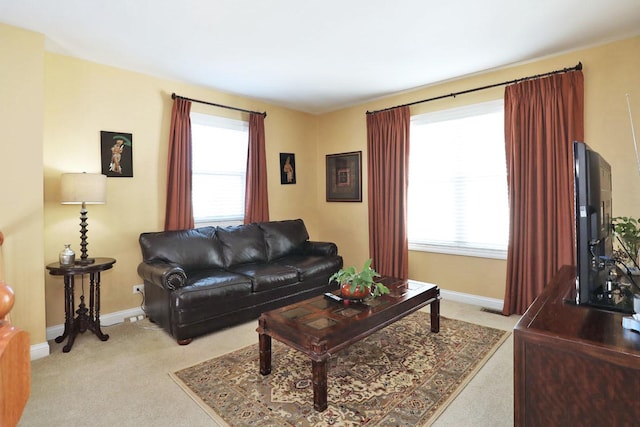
564,70
174,96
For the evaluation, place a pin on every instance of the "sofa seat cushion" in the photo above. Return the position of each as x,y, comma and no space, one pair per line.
267,276
310,267
206,288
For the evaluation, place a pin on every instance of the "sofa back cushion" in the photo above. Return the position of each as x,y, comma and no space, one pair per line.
242,244
196,249
283,238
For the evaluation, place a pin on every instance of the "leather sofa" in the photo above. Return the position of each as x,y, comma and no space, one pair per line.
201,280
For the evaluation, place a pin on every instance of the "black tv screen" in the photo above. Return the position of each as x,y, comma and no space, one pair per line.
594,233
599,280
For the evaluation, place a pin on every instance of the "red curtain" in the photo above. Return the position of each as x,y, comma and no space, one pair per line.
388,169
542,119
256,199
179,211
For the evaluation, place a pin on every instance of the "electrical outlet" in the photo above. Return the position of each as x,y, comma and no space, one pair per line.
138,289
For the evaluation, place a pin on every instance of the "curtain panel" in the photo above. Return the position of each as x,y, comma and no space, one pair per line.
542,119
256,199
179,208
388,171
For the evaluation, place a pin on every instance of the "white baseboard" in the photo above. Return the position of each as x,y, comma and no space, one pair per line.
42,350
491,303
38,351
105,320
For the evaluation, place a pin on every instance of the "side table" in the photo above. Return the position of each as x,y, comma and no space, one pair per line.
86,318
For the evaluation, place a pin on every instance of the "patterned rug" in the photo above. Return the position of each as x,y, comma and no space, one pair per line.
403,375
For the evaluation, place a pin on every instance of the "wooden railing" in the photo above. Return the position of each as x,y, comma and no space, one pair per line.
15,364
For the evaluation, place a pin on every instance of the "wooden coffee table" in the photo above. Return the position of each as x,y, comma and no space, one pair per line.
320,327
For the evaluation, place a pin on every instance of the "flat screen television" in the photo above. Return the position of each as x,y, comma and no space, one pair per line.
599,281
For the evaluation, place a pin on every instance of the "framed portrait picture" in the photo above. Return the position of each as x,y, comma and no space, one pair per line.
287,168
344,177
116,149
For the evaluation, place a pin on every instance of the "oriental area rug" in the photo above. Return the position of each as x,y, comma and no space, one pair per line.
403,375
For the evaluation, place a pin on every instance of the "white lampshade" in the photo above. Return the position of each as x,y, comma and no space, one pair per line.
89,188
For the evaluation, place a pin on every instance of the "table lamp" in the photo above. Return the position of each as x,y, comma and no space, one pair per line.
85,189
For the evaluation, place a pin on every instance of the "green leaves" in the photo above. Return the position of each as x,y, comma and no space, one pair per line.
628,229
360,280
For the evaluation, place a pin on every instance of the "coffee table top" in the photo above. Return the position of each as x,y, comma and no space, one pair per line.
319,326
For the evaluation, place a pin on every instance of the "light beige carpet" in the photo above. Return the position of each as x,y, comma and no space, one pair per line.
402,375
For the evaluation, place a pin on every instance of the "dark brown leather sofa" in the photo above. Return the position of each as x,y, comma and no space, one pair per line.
201,280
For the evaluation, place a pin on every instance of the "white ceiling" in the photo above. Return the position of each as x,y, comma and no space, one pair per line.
323,55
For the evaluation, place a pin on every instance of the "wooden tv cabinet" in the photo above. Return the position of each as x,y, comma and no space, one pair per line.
574,365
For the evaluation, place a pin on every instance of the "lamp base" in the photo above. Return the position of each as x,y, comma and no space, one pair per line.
85,261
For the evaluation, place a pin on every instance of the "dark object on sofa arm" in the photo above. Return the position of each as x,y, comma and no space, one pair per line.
204,279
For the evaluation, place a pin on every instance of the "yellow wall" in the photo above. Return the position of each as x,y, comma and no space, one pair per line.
21,211
83,98
610,71
59,105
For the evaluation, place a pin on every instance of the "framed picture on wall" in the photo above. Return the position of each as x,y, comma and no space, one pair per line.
287,168
116,149
344,177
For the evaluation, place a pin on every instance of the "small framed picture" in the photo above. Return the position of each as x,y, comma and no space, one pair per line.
344,177
116,149
287,168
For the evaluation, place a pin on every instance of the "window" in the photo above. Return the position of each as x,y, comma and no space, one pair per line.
219,165
457,196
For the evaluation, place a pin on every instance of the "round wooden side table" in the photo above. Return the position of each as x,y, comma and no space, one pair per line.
87,318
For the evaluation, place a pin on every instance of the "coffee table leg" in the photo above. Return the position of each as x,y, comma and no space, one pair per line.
435,314
319,370
265,353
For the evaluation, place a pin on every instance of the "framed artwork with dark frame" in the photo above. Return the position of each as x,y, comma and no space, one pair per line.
116,149
287,168
344,177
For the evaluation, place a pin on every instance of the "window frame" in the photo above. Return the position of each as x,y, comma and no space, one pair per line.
449,249
225,123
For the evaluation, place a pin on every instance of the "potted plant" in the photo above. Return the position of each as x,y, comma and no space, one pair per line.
359,284
628,230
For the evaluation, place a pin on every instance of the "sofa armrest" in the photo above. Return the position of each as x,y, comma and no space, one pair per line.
320,248
164,274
